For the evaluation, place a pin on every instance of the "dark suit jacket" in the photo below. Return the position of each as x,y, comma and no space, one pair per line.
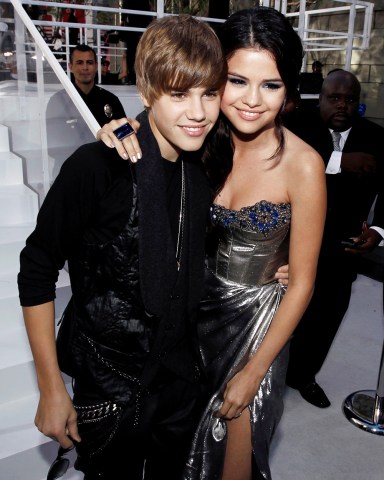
350,196
310,82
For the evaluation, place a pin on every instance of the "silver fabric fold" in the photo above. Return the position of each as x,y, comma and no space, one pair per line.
240,300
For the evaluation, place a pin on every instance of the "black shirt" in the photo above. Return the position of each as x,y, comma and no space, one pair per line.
103,104
110,79
90,201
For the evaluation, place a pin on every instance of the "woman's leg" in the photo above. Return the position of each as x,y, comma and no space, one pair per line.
238,455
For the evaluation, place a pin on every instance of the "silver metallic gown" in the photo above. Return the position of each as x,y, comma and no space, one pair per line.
240,300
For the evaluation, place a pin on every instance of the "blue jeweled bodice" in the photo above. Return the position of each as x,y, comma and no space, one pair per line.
251,242
263,217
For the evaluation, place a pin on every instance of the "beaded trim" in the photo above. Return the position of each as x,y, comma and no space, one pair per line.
263,217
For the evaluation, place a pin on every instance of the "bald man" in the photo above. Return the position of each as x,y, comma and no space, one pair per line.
352,150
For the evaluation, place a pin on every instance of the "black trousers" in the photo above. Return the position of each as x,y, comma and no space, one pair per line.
156,447
318,327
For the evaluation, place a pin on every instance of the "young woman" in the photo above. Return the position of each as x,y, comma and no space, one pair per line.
269,206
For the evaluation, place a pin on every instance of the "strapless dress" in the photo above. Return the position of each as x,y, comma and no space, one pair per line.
240,299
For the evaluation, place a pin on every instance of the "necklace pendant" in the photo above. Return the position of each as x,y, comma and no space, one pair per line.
179,244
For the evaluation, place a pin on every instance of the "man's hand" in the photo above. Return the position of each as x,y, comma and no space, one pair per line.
366,242
358,162
129,147
56,418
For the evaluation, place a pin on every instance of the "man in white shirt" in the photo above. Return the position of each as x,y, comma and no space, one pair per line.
352,150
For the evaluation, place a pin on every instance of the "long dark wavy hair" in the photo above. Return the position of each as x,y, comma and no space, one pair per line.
262,28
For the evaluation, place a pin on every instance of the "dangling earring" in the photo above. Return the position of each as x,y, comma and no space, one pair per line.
283,105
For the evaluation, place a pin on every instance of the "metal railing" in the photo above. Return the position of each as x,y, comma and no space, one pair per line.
31,50
316,39
306,21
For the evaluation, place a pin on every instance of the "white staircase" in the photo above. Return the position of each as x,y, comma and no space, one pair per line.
25,454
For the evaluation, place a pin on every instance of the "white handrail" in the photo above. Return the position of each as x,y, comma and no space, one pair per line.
57,68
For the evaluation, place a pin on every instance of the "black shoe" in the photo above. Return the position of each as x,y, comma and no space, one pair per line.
315,395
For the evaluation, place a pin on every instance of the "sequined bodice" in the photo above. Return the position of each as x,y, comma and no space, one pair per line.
253,242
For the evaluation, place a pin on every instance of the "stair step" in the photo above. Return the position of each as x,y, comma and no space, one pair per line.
8,283
20,413
9,257
11,314
11,167
36,461
23,448
14,233
8,286
17,370
18,381
18,204
18,431
14,347
4,138
10,310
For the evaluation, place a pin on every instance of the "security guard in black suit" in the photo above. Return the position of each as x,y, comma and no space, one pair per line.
352,149
66,129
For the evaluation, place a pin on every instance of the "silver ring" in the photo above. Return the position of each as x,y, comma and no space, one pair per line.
238,415
124,131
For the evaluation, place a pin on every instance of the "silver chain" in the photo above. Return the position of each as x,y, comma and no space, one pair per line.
180,233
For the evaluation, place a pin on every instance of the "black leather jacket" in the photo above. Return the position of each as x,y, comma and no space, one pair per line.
132,311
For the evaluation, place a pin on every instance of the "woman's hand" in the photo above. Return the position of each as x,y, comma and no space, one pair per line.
239,393
282,275
129,147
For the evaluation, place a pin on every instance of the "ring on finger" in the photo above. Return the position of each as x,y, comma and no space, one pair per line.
124,131
238,415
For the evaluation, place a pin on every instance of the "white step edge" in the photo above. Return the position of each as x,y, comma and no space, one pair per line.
18,204
4,138
11,166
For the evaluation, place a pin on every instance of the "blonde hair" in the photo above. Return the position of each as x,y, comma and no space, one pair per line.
178,53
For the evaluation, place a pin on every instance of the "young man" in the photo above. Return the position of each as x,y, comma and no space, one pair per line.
133,237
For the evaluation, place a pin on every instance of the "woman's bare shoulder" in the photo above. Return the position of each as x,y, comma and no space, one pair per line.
299,154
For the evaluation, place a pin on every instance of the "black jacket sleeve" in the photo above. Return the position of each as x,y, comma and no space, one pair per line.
71,209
